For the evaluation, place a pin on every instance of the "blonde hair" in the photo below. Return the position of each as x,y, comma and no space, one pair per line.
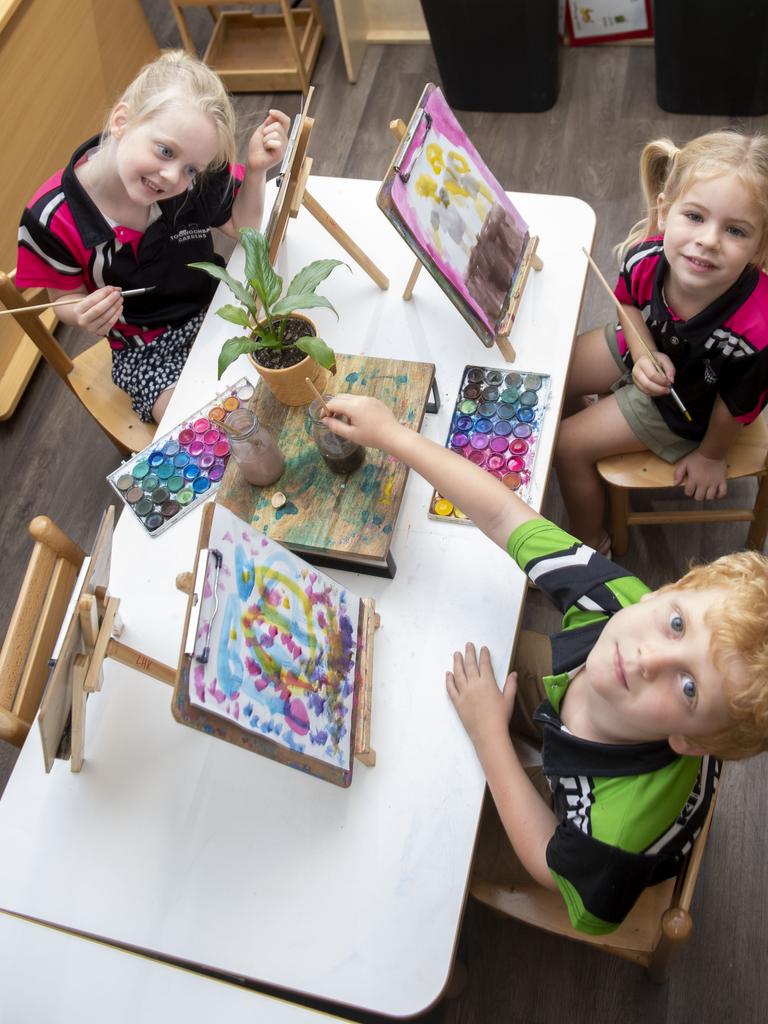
178,78
739,635
665,168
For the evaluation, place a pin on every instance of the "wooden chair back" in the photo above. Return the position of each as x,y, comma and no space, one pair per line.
651,934
748,456
34,627
88,375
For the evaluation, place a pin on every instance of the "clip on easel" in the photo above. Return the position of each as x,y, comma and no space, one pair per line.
90,637
293,194
529,259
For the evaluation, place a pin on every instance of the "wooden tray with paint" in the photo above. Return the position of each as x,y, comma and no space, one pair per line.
338,521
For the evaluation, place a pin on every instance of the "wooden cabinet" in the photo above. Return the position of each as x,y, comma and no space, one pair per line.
63,63
377,21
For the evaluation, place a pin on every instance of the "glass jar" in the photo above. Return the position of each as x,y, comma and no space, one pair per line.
253,448
341,455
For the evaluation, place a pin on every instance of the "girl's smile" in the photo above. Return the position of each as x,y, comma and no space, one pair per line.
711,234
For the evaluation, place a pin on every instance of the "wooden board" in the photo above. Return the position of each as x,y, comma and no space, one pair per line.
330,519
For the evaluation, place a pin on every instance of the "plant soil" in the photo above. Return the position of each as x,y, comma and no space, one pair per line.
287,355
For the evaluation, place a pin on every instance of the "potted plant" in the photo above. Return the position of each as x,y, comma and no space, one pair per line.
282,344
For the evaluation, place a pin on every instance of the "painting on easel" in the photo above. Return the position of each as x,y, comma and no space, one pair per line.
275,658
449,208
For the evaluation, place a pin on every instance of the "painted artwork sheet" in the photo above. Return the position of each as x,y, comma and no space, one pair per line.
282,640
455,216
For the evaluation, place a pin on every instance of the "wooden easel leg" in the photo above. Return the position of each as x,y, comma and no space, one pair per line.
536,262
354,250
505,348
79,672
412,280
363,750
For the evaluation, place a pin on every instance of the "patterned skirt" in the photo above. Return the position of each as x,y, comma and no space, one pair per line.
147,370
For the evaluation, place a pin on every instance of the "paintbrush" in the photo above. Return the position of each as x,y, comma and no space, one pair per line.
323,406
206,652
627,324
70,302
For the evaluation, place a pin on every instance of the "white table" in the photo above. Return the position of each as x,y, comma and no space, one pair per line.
48,975
175,843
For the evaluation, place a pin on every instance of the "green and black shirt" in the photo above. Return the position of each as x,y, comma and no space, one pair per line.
628,813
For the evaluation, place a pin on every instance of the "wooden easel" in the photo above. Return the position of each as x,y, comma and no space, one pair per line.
293,195
192,584
89,639
529,260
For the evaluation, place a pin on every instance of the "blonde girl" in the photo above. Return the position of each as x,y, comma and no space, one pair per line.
693,282
134,207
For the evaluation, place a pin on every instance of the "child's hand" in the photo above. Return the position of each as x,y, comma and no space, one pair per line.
371,423
648,380
99,311
268,142
484,710
702,478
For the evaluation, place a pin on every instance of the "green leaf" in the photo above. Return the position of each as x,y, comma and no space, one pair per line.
319,351
310,277
232,348
258,270
305,300
235,315
237,289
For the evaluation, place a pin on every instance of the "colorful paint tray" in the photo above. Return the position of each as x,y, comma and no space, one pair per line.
496,424
182,468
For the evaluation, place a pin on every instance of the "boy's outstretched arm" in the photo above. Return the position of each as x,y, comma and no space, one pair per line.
488,503
485,712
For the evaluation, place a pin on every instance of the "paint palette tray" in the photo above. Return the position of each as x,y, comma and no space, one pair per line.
182,468
496,424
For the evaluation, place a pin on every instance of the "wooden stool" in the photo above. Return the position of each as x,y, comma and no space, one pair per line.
258,52
746,457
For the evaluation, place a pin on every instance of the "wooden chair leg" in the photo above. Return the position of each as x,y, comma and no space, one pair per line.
618,512
759,526
676,926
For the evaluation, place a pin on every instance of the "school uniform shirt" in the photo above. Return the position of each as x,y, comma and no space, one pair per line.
66,243
723,350
627,813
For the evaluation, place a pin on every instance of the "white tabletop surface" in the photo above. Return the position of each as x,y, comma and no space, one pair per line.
177,843
47,975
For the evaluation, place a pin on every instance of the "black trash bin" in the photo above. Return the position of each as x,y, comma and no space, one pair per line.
712,57
495,55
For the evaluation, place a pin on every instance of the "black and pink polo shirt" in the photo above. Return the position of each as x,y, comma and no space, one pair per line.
66,243
723,350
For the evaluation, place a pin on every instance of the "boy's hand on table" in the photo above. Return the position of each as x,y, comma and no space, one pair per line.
484,710
702,478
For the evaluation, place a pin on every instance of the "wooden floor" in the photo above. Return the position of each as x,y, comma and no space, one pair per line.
54,460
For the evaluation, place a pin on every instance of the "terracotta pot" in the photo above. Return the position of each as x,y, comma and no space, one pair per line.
289,385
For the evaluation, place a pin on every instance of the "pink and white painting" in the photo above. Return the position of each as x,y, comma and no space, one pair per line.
455,215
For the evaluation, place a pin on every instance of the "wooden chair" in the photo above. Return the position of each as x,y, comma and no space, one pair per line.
650,936
89,376
34,627
748,456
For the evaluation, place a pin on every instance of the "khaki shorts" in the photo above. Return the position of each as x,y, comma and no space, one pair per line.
640,411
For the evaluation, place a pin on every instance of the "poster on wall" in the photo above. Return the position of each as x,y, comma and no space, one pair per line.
608,21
